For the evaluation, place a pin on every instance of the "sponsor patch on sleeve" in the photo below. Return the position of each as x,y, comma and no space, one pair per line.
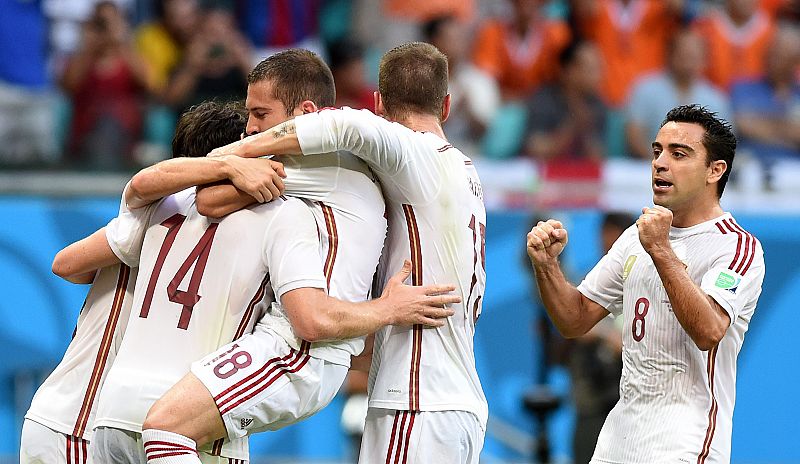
728,280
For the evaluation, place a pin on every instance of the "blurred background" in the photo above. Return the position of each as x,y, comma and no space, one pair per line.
556,101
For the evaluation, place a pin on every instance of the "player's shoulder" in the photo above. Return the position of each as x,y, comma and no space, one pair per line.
731,238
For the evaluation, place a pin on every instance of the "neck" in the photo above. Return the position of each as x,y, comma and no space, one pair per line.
422,123
691,216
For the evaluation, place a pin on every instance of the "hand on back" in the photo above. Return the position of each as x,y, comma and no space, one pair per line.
411,305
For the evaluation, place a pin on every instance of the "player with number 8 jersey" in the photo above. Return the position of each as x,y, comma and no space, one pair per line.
685,280
676,400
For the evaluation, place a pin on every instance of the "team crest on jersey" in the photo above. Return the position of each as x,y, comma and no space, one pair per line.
626,269
728,281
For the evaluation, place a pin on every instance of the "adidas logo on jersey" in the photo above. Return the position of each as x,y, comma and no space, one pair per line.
245,422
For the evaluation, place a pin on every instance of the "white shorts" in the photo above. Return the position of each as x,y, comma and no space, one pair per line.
43,445
117,446
419,437
260,383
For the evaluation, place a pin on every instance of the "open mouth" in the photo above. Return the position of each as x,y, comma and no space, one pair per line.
660,184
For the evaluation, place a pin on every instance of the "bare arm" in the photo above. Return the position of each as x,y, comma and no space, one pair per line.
279,140
261,178
220,199
572,313
78,261
699,314
315,316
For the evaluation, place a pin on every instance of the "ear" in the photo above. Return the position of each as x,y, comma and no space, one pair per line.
308,106
445,108
715,171
379,109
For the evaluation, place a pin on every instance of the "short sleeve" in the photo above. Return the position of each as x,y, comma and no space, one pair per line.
291,249
125,233
734,279
604,283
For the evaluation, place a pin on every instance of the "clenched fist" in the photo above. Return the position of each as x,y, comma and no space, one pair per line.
653,225
546,241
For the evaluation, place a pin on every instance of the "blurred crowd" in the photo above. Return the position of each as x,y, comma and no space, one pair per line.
98,85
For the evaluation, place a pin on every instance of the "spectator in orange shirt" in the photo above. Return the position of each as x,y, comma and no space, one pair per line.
632,36
521,53
738,36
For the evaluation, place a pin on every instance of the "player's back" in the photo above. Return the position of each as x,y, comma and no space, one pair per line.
67,400
437,220
202,283
441,228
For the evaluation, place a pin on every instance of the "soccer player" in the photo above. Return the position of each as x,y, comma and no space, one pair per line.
685,279
275,245
426,402
58,426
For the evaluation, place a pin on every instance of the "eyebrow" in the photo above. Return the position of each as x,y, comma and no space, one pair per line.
674,146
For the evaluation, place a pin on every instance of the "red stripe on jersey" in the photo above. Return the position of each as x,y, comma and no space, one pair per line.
216,448
248,313
416,279
721,229
85,449
253,375
260,384
752,253
444,148
69,449
712,412
738,244
102,352
391,440
333,242
401,437
408,436
746,254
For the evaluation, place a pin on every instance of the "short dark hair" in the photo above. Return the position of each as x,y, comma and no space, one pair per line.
413,78
207,126
296,75
718,140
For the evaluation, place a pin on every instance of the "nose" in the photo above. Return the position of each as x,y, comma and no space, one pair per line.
660,162
252,126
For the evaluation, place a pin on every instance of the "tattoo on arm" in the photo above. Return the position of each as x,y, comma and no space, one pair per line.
284,129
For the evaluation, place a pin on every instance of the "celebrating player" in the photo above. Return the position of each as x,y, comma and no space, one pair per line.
59,424
426,401
270,239
685,279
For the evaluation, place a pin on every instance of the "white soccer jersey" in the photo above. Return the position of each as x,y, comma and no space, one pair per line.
203,283
67,400
348,206
676,401
437,220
